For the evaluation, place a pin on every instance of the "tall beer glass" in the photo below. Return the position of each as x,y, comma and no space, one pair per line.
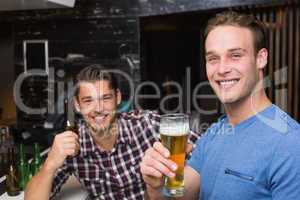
174,130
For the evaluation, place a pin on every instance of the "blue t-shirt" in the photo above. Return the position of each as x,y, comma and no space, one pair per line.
258,158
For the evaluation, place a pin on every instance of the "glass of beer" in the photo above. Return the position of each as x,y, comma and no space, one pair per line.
174,129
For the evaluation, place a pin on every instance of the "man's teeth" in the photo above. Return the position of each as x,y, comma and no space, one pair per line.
228,82
99,119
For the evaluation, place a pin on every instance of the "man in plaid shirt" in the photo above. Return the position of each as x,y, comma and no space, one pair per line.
106,153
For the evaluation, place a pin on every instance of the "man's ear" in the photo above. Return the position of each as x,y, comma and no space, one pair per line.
262,58
119,96
76,104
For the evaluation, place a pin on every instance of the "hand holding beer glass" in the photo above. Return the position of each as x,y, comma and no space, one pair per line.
174,129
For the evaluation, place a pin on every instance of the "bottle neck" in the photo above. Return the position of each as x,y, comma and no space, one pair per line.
22,153
69,124
66,111
36,150
11,156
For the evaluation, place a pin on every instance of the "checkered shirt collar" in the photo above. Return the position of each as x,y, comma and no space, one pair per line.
86,141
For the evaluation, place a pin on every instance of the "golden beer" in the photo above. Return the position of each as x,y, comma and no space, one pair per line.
174,134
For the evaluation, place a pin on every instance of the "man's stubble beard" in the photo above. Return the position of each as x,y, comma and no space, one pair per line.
106,131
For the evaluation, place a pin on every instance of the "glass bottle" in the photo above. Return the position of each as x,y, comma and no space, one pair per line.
23,168
12,187
69,126
37,160
2,150
4,147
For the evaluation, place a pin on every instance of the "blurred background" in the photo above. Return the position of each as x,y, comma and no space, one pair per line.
150,40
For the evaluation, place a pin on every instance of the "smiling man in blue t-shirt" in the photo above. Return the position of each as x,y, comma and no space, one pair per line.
252,152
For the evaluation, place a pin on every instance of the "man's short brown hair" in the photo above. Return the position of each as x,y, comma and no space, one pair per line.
94,73
240,20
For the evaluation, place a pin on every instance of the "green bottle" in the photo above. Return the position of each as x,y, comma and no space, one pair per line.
23,168
37,160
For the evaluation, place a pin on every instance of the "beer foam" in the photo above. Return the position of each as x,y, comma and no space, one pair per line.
174,130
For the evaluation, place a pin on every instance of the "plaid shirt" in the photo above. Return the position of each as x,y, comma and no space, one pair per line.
115,174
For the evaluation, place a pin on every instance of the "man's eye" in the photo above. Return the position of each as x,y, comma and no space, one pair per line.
107,98
87,101
212,59
236,55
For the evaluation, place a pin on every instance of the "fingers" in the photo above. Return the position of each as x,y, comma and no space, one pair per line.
148,170
160,163
71,148
152,176
155,164
161,149
161,153
67,134
66,144
77,148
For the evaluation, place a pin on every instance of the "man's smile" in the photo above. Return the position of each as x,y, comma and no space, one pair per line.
227,83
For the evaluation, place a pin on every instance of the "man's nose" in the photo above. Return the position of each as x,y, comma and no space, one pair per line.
225,66
99,105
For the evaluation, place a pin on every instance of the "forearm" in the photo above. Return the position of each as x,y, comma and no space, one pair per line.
39,187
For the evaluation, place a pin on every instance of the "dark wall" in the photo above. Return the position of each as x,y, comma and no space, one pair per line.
96,29
96,38
7,73
159,7
172,50
129,8
73,44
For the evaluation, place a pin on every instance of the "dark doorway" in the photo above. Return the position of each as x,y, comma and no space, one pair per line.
172,50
